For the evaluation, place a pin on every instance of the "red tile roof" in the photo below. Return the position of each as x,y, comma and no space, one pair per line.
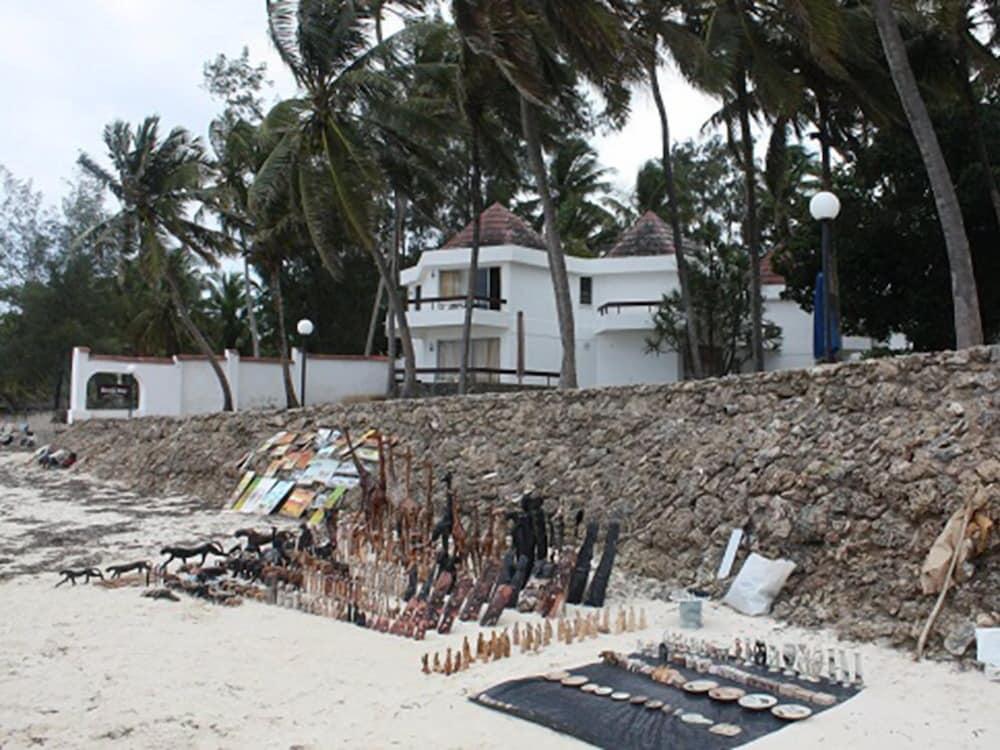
767,274
498,226
650,235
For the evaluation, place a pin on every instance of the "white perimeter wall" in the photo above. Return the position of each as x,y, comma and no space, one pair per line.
184,385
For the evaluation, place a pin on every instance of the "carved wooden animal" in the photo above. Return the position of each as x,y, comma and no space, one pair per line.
138,567
85,573
184,553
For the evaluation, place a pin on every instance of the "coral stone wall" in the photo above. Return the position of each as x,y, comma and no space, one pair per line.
849,470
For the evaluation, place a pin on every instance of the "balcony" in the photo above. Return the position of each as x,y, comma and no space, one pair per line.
626,315
440,312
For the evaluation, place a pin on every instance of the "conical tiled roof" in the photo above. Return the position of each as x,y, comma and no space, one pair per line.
767,274
650,235
498,226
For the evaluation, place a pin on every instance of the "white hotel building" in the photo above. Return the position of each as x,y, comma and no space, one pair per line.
514,326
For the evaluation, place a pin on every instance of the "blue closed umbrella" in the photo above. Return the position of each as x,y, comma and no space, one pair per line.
819,323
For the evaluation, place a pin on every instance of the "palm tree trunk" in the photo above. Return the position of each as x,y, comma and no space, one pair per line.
373,321
200,340
968,324
397,310
291,402
694,340
752,239
557,260
251,314
477,209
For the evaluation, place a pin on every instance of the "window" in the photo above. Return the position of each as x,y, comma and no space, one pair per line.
586,290
416,296
483,353
488,288
454,285
451,284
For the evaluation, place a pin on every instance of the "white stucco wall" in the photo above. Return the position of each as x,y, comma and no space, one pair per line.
180,386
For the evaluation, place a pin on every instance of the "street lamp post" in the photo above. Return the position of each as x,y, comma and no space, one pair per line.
305,328
131,385
825,207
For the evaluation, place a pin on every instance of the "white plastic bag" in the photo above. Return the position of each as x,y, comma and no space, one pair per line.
757,584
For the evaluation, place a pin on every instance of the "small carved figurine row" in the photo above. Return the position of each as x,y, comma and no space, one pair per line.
533,638
824,664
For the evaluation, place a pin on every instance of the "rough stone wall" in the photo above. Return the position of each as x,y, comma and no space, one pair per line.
849,470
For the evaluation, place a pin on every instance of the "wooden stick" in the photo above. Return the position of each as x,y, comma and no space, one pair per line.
922,641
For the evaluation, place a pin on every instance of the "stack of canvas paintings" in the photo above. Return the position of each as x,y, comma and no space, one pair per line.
303,475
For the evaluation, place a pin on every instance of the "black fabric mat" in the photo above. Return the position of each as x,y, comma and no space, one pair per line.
605,723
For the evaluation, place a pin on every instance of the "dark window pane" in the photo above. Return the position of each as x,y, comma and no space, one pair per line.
586,290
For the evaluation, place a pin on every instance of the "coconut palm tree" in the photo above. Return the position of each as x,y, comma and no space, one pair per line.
968,323
329,137
543,48
236,159
226,306
157,181
655,25
590,216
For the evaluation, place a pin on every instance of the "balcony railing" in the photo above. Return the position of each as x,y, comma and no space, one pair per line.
453,303
617,306
489,371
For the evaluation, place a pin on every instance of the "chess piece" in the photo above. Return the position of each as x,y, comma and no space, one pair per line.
517,635
859,680
505,642
606,620
760,653
799,665
631,622
547,633
424,666
437,663
466,653
642,619
538,638
447,663
528,640
787,659
846,669
480,647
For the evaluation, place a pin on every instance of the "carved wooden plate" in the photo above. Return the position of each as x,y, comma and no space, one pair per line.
603,690
758,701
557,676
575,680
700,686
726,694
791,712
590,687
620,696
725,730
695,718
636,700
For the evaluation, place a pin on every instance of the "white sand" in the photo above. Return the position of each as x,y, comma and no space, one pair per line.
86,666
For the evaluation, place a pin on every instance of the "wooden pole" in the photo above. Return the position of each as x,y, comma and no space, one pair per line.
520,347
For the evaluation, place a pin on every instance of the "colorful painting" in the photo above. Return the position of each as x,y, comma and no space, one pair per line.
241,488
254,499
245,495
297,503
275,496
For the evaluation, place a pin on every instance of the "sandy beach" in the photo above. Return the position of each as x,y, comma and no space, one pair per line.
86,666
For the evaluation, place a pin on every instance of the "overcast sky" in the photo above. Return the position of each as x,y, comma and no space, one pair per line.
68,67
